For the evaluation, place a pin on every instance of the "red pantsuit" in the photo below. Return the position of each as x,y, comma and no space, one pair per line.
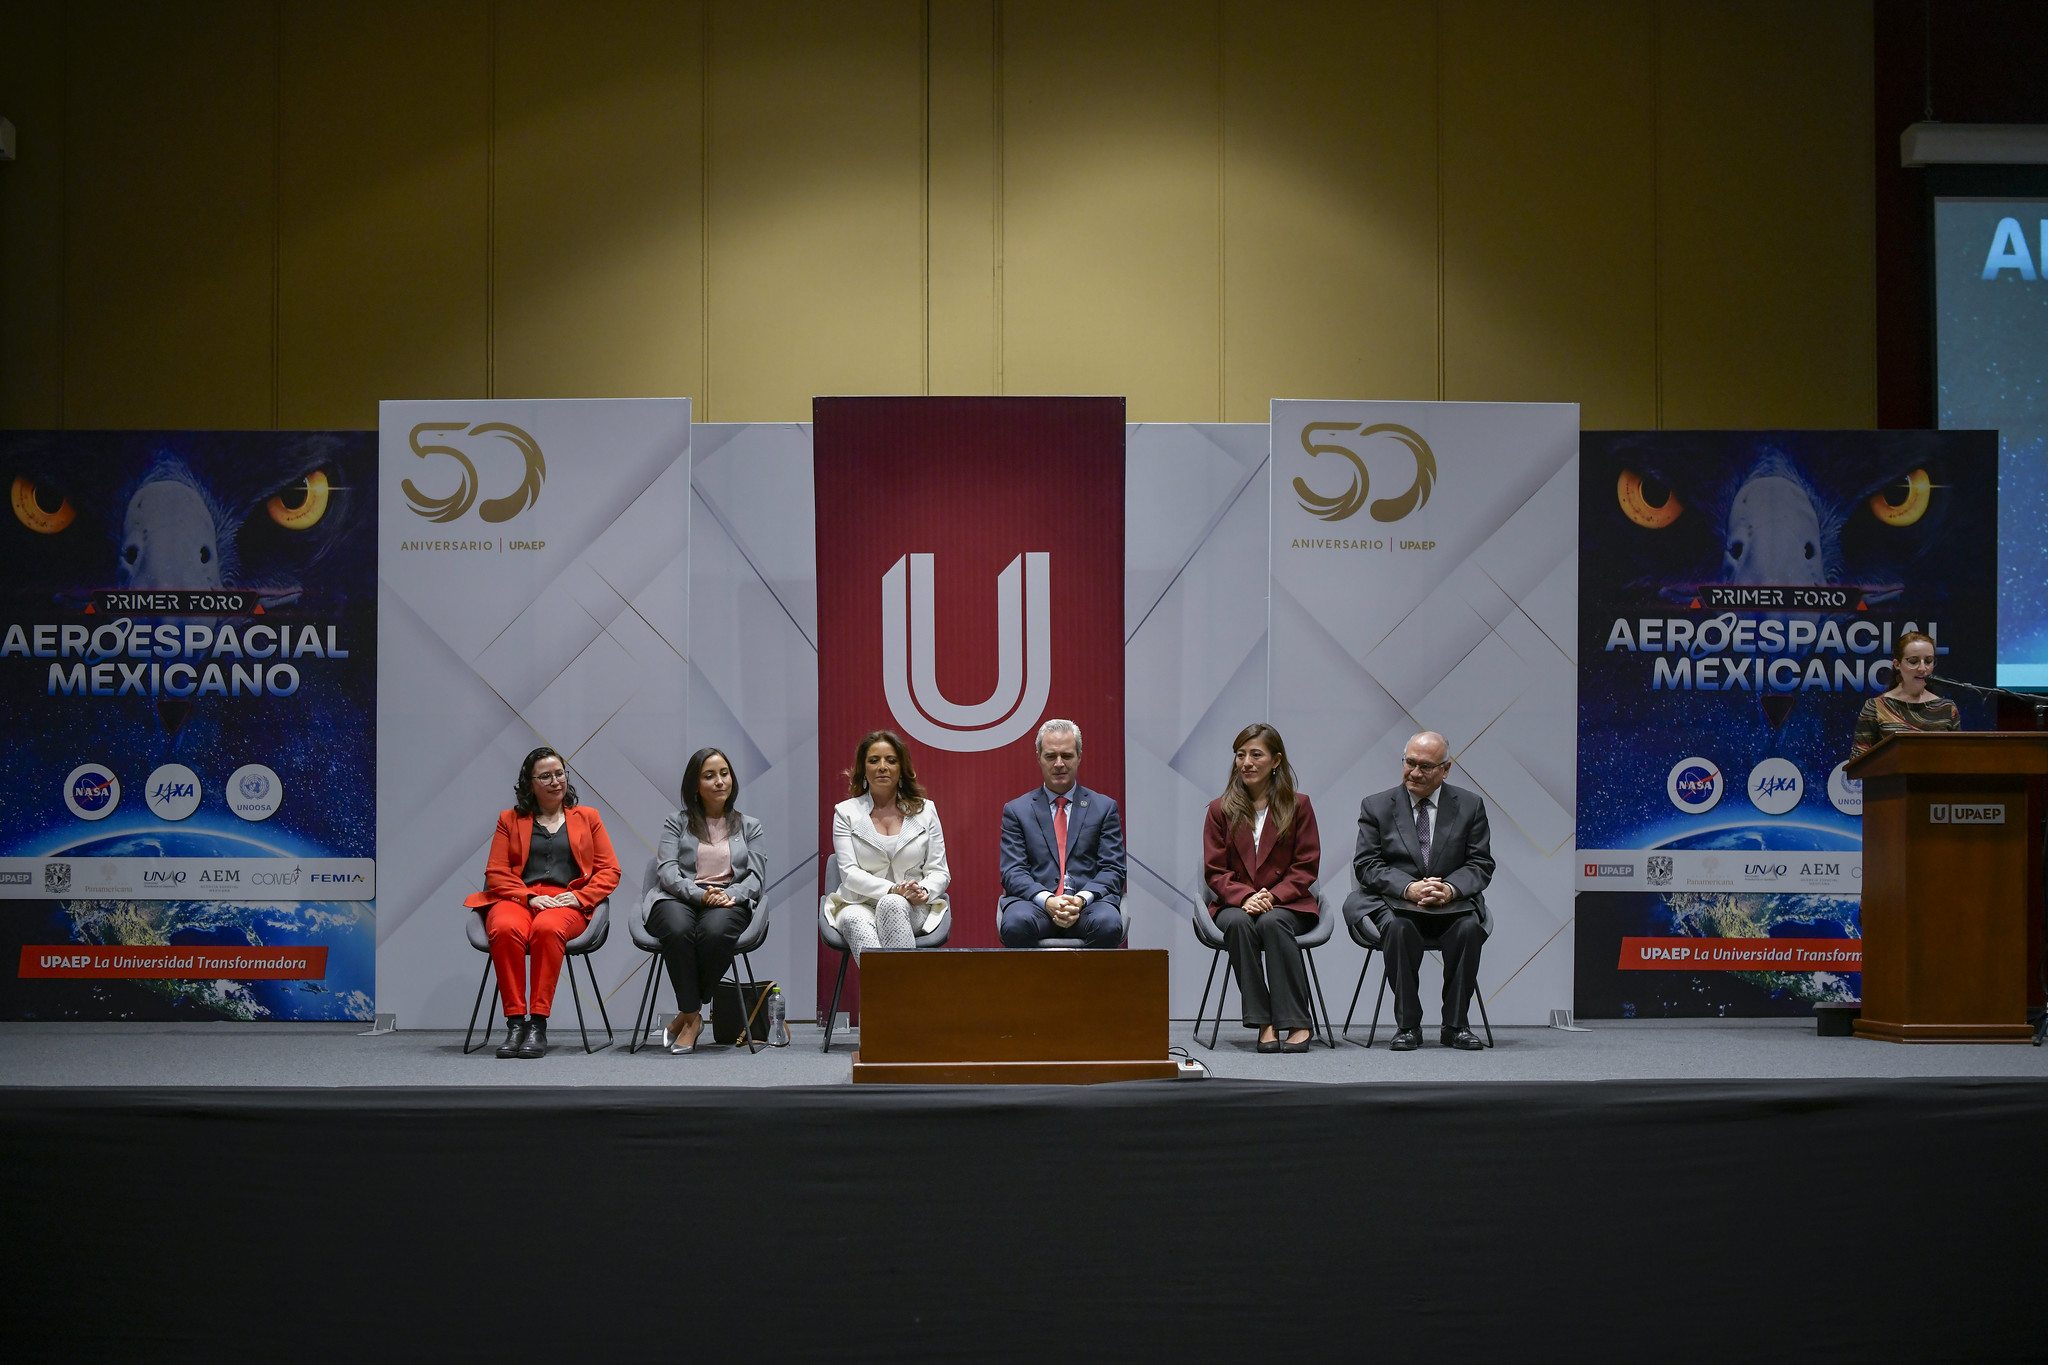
517,931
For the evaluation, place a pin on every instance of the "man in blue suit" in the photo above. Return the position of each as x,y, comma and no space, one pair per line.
1063,854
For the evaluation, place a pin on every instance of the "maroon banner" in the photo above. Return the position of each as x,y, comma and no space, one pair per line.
970,587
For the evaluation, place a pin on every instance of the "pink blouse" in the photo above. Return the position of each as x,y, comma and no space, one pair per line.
714,855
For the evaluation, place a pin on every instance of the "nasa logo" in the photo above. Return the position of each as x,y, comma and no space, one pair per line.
1775,786
91,791
173,791
254,792
1695,785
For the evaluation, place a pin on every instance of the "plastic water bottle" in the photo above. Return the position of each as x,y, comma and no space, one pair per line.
776,1022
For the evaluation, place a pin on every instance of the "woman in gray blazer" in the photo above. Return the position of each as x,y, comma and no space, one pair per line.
708,882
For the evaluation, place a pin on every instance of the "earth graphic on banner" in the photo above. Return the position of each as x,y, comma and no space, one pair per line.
346,928
1718,914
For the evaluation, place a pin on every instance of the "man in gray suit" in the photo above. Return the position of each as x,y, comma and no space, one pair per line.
1423,861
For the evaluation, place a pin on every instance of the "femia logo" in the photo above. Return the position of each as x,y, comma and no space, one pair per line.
453,505
1023,656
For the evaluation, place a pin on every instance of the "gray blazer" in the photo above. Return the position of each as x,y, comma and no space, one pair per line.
675,870
1388,856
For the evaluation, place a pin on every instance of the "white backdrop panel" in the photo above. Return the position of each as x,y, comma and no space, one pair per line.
1458,617
484,653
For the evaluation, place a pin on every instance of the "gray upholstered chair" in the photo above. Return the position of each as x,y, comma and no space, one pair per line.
750,940
1365,932
583,945
1211,937
831,938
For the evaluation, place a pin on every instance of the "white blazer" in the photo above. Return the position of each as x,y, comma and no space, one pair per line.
867,869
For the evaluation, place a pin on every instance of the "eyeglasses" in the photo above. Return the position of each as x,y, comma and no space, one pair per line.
1422,767
551,778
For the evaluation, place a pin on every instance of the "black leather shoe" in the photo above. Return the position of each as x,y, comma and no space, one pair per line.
1301,1046
1407,1040
515,1034
1463,1039
1270,1045
535,1042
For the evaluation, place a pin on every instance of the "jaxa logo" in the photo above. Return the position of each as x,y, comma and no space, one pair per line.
449,506
172,791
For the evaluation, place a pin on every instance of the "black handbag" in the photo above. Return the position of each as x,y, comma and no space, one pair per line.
731,1004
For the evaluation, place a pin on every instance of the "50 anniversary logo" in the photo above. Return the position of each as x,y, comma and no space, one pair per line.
1348,502
448,508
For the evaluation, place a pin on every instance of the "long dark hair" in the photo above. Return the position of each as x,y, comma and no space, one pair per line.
693,795
1237,798
909,796
522,790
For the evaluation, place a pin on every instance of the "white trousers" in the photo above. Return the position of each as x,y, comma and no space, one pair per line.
887,924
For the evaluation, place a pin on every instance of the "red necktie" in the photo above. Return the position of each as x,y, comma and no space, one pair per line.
1059,836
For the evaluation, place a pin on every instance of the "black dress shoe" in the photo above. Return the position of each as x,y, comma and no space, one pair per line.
515,1034
1269,1045
1407,1040
1463,1039
535,1041
1301,1046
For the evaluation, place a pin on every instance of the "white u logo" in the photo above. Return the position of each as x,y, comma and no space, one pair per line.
1023,657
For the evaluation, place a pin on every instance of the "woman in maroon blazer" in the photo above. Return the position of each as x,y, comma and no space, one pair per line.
551,864
1261,856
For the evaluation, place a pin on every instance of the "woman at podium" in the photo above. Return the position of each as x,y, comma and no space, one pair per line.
890,850
1261,856
1909,706
708,882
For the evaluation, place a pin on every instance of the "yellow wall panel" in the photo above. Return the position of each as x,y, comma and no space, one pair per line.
1768,210
32,219
169,143
963,183
1329,234
816,204
1111,160
598,277
384,222
1549,254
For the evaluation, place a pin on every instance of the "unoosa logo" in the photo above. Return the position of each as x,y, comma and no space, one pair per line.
1023,656
254,793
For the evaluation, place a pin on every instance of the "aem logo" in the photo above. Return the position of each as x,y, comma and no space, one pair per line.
455,504
1348,502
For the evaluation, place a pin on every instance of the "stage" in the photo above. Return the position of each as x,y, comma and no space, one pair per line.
1564,1196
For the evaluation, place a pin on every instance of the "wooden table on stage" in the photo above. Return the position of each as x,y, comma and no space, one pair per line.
1945,900
979,1016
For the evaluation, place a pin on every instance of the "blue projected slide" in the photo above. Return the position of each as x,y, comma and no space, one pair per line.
1991,325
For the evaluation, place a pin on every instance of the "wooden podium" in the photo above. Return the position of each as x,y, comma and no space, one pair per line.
981,1016
1946,832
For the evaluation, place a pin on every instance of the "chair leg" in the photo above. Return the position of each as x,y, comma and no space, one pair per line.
1378,1001
577,996
1317,977
1221,997
643,1015
1480,996
1202,1010
832,1014
739,991
473,1011
602,1013
1348,1014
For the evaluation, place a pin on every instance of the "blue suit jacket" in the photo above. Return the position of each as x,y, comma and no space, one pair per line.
1095,846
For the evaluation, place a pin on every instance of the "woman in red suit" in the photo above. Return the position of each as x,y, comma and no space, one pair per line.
1261,856
551,864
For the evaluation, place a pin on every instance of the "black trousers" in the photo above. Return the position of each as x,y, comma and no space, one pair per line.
1275,992
696,946
1405,936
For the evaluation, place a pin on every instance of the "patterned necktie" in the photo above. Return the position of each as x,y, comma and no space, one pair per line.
1059,836
1422,831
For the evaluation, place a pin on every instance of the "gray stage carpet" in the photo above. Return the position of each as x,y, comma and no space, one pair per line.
226,1054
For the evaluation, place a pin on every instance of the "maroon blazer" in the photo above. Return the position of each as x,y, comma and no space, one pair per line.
1285,864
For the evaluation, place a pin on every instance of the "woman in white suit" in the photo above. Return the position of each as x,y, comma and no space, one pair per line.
890,849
